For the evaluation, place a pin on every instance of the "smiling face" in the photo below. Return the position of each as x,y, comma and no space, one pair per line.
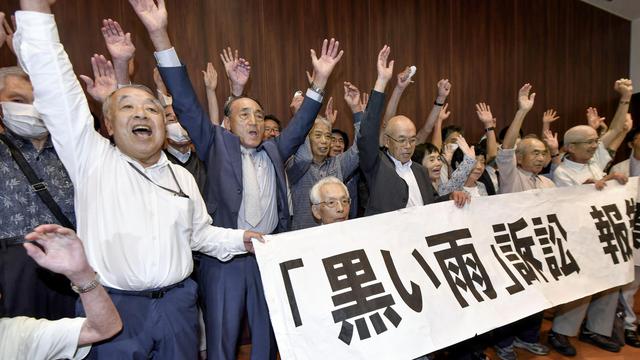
531,155
478,169
337,144
135,119
246,120
433,163
320,140
582,143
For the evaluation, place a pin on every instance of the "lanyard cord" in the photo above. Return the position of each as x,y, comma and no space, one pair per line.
176,193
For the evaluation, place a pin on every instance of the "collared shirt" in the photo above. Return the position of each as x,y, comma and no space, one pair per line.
182,157
304,173
136,235
266,174
572,173
513,178
405,172
29,338
21,209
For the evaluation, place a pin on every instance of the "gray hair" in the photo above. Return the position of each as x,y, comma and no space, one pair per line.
106,105
314,194
11,71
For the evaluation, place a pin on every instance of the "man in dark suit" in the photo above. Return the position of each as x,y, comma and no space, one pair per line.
246,186
394,181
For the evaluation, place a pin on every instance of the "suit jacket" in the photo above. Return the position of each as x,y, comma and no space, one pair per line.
220,150
387,190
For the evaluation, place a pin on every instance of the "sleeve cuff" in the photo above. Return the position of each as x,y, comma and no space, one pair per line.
314,95
167,58
236,246
40,26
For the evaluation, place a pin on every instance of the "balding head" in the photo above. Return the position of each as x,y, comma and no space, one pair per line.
400,138
581,143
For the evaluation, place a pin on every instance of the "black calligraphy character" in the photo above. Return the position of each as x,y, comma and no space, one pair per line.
350,271
553,238
612,232
461,266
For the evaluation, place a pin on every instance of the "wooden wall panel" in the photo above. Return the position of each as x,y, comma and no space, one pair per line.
570,51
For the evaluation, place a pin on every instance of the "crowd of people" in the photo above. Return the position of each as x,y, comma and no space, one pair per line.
168,201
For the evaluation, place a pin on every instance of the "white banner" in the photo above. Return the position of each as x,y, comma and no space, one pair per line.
404,284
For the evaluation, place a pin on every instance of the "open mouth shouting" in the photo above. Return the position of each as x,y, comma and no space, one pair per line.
143,131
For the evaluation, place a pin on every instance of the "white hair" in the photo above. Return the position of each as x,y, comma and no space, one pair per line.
314,194
11,71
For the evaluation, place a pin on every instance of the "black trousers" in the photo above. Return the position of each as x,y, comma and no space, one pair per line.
29,290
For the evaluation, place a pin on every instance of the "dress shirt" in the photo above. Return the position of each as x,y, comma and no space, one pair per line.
405,172
266,175
513,178
634,165
182,157
572,173
29,338
136,235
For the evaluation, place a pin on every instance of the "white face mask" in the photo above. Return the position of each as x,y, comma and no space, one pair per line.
23,120
177,133
453,147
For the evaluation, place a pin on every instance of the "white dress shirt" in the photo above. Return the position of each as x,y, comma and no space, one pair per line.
571,173
137,236
266,175
182,157
27,338
405,172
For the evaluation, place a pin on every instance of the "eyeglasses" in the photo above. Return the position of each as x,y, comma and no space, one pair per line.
333,203
405,141
588,142
318,136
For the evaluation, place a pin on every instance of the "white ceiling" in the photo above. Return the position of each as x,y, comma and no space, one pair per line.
628,9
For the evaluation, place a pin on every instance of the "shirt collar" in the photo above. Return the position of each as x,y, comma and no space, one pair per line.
183,157
398,164
162,161
576,165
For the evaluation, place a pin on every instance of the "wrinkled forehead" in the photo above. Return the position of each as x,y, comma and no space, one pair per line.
16,85
531,145
135,95
244,104
332,191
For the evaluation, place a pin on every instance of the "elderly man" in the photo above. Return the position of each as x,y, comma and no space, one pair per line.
141,215
519,168
35,189
246,186
585,163
58,249
330,200
394,181
312,162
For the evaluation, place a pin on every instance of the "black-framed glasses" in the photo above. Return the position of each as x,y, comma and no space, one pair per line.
333,203
406,141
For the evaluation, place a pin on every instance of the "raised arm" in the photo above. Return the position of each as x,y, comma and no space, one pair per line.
294,134
211,83
392,106
443,114
120,48
58,95
237,69
63,253
185,102
525,103
444,88
489,123
462,171
349,160
551,139
628,125
625,88
370,128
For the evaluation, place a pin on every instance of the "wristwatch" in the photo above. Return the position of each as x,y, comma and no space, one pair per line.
86,287
317,89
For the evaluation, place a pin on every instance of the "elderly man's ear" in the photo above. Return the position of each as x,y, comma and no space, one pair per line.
315,209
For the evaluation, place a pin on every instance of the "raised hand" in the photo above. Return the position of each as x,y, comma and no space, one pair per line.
464,147
296,102
549,116
63,252
593,119
624,87
154,17
238,70
525,101
104,82
6,31
3,30
310,77
484,114
385,71
323,65
157,79
444,114
552,140
330,113
352,97
444,88
210,77
403,78
118,42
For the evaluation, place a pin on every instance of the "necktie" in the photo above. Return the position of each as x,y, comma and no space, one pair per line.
534,181
250,190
